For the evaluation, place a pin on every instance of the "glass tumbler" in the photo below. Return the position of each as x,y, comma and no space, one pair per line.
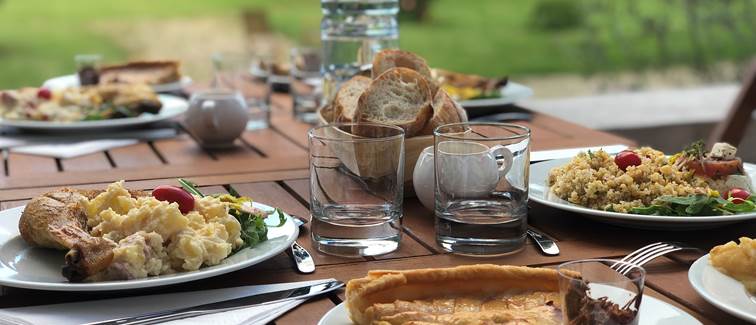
356,188
86,68
248,74
481,192
594,292
306,83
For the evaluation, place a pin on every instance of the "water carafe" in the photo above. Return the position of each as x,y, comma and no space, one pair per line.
351,32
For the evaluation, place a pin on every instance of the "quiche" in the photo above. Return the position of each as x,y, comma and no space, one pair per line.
469,294
737,261
141,72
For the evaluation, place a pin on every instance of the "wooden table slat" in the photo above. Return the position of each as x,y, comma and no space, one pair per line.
137,155
26,165
90,162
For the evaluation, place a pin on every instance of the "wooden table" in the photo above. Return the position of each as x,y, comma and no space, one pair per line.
271,166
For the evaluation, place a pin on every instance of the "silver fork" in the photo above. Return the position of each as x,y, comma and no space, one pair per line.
647,253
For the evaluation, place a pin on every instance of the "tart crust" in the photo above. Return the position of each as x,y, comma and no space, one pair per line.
410,294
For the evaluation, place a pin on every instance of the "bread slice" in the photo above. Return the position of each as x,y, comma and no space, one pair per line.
393,58
387,59
445,111
345,101
400,97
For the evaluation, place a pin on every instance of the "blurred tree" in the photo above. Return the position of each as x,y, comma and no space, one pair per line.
556,15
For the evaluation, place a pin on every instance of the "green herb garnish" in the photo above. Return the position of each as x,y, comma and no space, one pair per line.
254,229
694,205
695,150
190,187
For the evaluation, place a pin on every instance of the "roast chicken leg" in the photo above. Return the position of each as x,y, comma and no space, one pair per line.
57,220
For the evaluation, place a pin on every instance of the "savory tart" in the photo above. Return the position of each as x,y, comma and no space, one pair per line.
469,294
737,261
141,72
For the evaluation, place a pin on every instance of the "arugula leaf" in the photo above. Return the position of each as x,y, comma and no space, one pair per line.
281,217
694,205
253,229
645,210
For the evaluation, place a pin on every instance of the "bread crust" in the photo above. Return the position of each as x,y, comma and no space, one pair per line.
380,287
395,58
380,88
151,72
445,111
344,107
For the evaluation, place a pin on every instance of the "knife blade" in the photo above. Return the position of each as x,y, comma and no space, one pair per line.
227,305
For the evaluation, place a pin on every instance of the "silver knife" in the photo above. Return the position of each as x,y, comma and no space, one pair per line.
227,305
547,245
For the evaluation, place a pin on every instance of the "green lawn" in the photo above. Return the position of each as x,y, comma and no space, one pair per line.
493,37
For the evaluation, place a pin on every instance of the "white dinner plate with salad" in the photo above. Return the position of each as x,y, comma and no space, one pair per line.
540,192
172,106
653,312
511,93
721,290
40,268
72,80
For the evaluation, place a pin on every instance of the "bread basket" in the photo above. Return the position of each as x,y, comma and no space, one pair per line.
412,148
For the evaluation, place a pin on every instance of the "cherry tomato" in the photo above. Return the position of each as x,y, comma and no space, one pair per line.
738,195
176,194
44,93
626,159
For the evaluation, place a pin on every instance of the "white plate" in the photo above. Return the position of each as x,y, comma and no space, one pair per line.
511,93
653,311
172,107
72,80
541,193
721,290
40,268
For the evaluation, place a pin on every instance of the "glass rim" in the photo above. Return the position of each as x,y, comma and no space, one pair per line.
610,261
437,131
356,138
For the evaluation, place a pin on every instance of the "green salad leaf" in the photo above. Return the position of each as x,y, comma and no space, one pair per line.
694,205
254,229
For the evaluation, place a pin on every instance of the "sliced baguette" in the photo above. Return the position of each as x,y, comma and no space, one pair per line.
400,97
345,101
387,59
393,58
445,111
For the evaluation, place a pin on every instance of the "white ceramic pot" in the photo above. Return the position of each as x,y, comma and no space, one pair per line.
216,117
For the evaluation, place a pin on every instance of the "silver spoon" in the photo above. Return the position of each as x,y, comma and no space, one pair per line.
547,245
302,258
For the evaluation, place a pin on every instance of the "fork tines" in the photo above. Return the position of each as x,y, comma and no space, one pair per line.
645,254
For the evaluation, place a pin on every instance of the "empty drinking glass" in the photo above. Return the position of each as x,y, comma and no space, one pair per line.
247,74
356,188
481,189
86,68
593,292
306,83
